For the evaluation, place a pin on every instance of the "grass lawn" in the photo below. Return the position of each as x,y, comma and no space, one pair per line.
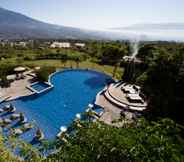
57,63
86,64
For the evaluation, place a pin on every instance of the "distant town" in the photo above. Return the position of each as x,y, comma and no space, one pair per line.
51,44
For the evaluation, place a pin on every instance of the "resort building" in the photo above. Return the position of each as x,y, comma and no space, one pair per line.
80,45
18,44
60,45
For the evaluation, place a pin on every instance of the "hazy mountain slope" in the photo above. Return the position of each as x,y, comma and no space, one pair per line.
156,26
18,26
14,26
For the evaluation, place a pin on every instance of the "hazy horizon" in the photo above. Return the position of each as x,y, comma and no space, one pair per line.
99,14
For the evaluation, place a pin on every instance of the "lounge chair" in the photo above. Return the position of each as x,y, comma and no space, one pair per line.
6,107
9,108
23,119
7,121
59,135
63,130
17,131
27,126
2,99
39,135
14,116
1,110
98,112
12,109
90,106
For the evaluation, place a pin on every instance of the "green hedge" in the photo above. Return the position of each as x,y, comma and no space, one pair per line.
44,72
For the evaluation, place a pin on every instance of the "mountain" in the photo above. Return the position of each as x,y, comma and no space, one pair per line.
18,26
154,26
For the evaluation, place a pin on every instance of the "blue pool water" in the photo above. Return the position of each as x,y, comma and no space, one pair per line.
73,91
40,86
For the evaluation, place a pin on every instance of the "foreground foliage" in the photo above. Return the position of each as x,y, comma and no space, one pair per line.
5,154
141,141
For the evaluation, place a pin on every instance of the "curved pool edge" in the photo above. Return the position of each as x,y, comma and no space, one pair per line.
52,86
78,69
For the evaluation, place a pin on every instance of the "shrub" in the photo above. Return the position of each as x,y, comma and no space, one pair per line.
44,72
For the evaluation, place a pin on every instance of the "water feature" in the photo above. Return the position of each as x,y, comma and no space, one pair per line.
135,48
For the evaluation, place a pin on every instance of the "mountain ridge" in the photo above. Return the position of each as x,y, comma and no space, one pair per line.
15,25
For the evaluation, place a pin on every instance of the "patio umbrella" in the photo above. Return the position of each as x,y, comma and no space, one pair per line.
19,69
37,68
90,106
63,129
78,116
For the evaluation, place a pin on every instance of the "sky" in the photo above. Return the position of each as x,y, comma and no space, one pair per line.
99,14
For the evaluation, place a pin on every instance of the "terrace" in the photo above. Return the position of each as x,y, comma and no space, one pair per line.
119,99
17,87
126,96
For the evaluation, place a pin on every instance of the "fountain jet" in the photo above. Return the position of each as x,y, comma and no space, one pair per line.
130,60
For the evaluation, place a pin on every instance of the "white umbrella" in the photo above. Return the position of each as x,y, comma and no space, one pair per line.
63,129
19,69
91,106
78,116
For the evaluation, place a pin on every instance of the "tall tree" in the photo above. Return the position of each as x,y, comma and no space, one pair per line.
164,85
112,54
64,59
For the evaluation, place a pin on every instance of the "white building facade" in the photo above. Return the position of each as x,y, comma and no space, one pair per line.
60,45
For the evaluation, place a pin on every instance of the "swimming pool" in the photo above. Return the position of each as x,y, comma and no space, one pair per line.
73,91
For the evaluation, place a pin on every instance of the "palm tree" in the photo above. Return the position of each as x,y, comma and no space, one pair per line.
113,55
118,54
115,69
77,59
64,59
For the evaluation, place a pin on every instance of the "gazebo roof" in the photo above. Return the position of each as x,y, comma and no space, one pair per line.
19,69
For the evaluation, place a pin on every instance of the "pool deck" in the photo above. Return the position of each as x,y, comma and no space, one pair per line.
112,112
18,88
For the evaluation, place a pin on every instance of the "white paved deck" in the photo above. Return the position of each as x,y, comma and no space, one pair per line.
17,88
118,97
111,112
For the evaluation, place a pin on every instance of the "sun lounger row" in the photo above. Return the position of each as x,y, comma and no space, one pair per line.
24,125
